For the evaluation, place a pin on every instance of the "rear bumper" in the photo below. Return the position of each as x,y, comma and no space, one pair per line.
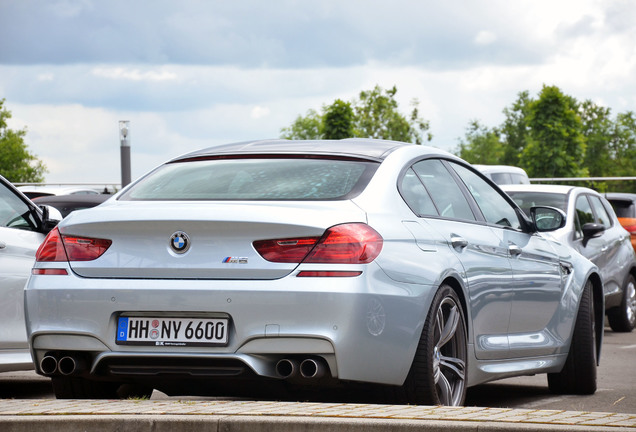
363,328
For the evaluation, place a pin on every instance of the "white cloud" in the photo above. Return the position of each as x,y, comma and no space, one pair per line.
134,74
45,77
259,112
199,74
485,37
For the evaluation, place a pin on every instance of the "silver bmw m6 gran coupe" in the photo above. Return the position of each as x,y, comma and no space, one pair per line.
308,265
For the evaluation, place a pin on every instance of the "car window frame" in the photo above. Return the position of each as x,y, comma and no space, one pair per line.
608,213
479,216
495,188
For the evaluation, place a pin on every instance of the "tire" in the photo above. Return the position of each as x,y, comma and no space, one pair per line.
81,388
438,372
579,372
623,318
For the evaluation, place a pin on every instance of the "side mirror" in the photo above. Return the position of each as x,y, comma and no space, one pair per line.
546,219
591,230
50,218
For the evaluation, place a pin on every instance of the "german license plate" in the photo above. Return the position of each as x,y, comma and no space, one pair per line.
172,331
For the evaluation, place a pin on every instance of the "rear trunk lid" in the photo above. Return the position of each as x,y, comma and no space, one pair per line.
220,236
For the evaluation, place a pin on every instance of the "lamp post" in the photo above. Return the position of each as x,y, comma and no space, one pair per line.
124,139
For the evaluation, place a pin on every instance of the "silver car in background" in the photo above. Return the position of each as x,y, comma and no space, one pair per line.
303,265
592,229
23,226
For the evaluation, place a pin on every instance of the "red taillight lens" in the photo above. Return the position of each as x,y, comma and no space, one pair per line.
52,249
353,243
57,247
83,248
286,250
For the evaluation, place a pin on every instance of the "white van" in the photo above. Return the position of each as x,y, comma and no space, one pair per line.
504,174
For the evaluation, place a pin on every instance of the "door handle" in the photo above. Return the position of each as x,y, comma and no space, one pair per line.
514,250
2,245
458,242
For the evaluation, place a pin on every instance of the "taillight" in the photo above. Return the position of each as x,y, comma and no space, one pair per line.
52,249
347,244
287,250
58,247
353,243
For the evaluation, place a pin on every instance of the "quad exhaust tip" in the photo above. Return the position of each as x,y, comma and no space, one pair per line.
48,365
67,365
311,368
286,368
308,368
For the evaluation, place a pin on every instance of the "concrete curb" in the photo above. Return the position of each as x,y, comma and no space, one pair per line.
254,416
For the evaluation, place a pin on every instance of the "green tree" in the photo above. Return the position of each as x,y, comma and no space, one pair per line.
597,129
338,120
557,136
556,144
17,164
377,116
304,128
482,145
515,129
623,150
373,115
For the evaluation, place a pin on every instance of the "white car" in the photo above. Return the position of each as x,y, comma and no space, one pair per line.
504,174
23,226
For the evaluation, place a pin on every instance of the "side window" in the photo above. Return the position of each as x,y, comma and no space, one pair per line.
519,179
416,196
602,217
501,178
14,213
443,189
495,208
584,210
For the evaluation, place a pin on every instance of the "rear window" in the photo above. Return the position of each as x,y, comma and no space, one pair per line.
264,178
623,208
526,200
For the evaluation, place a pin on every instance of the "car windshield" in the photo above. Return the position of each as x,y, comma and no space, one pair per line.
256,178
526,200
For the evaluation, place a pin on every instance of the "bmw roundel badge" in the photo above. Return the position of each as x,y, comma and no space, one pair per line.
180,242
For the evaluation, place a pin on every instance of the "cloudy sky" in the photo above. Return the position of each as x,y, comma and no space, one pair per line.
192,74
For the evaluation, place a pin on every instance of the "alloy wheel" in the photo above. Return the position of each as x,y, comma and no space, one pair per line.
449,353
